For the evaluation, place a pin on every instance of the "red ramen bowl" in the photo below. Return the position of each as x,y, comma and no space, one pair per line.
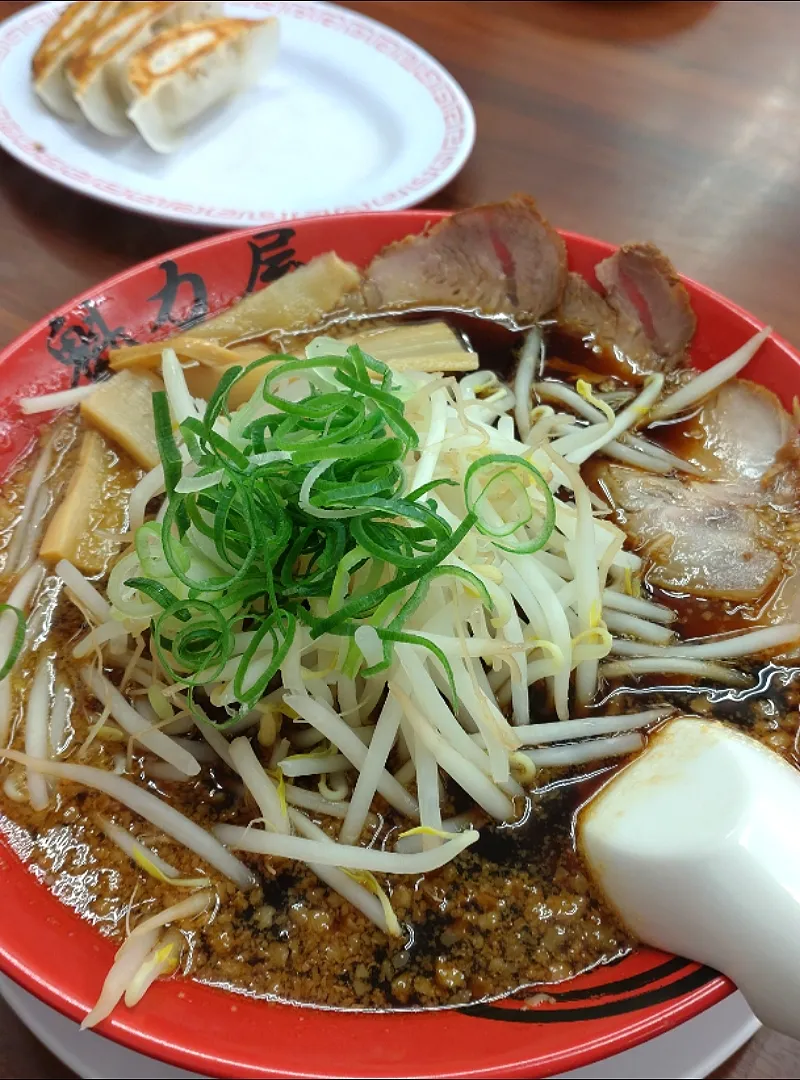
59,957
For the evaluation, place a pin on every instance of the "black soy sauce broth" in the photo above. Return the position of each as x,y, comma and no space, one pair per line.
539,851
515,911
570,358
769,709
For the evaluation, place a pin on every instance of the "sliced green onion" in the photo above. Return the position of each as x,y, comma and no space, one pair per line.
17,641
496,532
274,518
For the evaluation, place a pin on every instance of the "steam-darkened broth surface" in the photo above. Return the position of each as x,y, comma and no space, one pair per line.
433,570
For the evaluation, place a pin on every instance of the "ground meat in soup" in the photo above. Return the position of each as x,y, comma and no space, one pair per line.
514,911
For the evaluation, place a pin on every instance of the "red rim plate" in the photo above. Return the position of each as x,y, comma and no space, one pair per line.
54,954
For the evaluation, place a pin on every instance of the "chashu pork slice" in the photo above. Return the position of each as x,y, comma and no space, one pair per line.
584,313
700,538
643,287
743,430
644,315
503,258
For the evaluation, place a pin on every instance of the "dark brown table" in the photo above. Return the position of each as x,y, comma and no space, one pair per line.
676,122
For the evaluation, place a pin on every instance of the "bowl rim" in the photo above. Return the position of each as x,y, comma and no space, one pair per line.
697,998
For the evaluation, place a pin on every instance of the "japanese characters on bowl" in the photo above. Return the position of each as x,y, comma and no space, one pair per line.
151,67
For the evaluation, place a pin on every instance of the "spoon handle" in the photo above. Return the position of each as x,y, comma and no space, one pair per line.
697,845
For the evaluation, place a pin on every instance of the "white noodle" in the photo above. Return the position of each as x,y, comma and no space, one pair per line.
310,800
584,752
541,734
134,848
768,639
369,642
200,751
33,530
314,765
405,774
364,732
20,598
61,399
147,805
582,557
38,476
437,427
161,960
436,708
346,696
125,966
635,605
37,723
383,739
427,778
356,894
631,456
181,402
336,730
83,590
135,724
189,908
411,844
160,770
652,450
279,753
703,669
604,534
352,858
334,787
621,623
476,783
217,741
181,725
15,787
60,730
529,356
149,486
559,630
88,645
630,448
579,447
707,381
478,700
259,784
565,395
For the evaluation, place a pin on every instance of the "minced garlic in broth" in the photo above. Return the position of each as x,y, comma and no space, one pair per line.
513,911
484,925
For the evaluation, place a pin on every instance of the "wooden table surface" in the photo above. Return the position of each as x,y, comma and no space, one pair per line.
675,122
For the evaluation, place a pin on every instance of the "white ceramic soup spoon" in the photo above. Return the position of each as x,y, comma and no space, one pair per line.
696,844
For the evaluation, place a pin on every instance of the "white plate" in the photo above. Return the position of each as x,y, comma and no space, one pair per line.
691,1051
354,116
